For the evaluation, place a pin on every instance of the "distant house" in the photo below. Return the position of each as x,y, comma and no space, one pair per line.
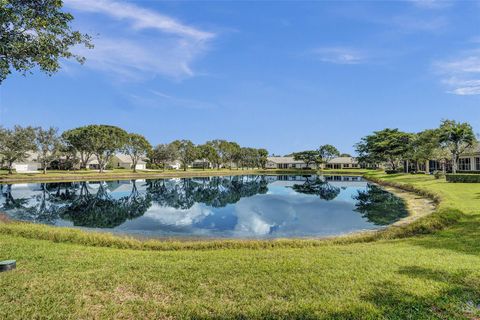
30,164
201,163
343,163
287,163
176,165
125,161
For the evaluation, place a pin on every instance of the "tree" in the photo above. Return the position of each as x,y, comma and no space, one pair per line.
36,33
262,157
456,137
15,144
327,152
137,147
217,161
423,146
48,146
104,141
163,153
208,152
186,152
309,157
388,145
229,152
79,140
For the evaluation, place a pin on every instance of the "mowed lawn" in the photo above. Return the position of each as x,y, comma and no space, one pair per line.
434,276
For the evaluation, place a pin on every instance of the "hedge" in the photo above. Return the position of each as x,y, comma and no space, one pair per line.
463,178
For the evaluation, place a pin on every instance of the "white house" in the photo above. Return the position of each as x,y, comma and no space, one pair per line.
176,165
287,163
29,165
343,163
125,161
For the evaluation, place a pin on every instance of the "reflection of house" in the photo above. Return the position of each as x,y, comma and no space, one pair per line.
343,163
287,163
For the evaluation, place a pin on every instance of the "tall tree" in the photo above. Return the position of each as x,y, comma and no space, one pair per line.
137,147
388,145
217,161
36,33
186,152
309,157
163,153
327,152
456,137
105,140
262,157
49,145
423,146
79,140
208,152
15,144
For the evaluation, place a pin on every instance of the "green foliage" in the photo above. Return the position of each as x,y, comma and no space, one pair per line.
456,137
187,152
463,178
388,145
309,157
162,154
48,144
104,141
137,147
15,144
36,33
327,152
78,141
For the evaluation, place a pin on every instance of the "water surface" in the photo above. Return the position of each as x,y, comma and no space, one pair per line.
250,206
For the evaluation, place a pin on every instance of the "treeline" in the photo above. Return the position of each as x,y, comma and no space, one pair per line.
76,147
393,147
323,154
218,153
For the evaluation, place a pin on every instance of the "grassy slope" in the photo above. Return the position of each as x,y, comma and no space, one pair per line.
424,277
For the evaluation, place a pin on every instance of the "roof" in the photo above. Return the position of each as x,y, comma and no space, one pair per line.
284,160
343,160
126,158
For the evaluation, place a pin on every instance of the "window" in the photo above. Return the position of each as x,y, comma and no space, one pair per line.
464,164
346,165
477,163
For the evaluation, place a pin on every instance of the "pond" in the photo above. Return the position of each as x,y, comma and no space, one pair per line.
249,206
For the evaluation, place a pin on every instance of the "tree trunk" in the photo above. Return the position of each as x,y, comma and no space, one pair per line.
10,167
44,168
134,166
454,162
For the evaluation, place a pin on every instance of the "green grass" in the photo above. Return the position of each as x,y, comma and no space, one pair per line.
414,272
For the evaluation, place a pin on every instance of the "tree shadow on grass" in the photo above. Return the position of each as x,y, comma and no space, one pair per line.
459,299
463,237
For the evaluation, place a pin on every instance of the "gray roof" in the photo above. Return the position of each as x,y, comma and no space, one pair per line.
288,160
124,158
343,160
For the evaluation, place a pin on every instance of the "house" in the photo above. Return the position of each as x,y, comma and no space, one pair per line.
125,161
342,163
201,164
176,165
287,163
29,165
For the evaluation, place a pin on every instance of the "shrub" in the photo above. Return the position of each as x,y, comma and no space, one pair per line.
393,171
438,174
463,178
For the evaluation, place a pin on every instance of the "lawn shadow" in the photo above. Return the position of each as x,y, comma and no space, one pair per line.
463,237
459,300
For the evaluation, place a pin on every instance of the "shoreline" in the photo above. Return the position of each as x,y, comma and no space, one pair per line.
109,176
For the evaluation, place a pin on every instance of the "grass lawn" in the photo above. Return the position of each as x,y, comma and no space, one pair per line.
430,276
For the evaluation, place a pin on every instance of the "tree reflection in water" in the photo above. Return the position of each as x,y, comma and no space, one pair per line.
379,206
316,186
86,206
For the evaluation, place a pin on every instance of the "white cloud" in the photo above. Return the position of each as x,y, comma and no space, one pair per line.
132,54
140,17
431,4
462,74
340,55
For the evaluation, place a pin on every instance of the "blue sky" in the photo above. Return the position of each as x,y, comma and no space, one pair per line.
282,75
